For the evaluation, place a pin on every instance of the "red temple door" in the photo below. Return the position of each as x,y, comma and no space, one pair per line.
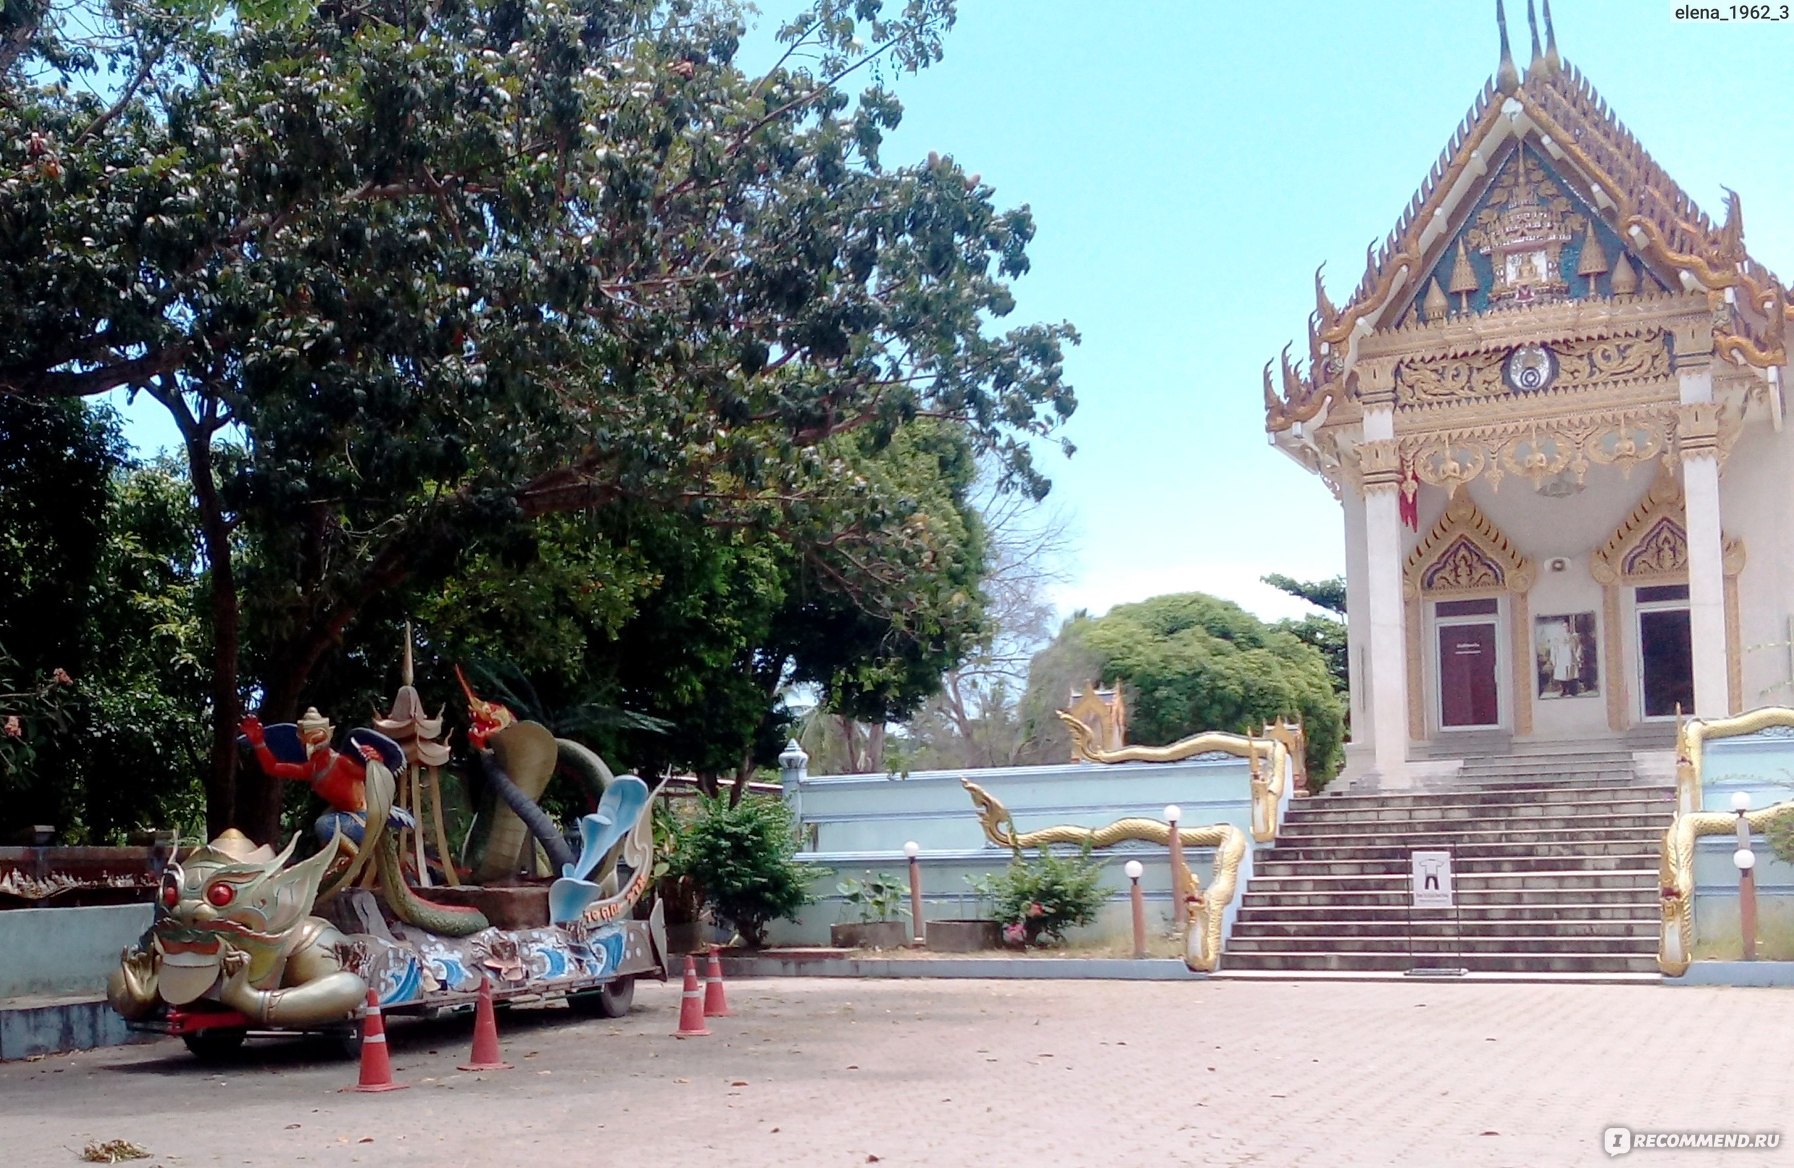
1468,695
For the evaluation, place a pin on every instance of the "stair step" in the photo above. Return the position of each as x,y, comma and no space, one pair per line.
1339,926
1536,819
1466,881
1351,917
1341,899
1381,849
1468,836
1476,962
1640,946
1398,864
1492,794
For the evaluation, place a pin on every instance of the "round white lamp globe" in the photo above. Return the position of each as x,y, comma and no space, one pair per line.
1745,859
912,849
1741,801
1134,869
1173,813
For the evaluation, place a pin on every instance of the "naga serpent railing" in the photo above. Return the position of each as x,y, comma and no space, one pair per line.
1202,936
1675,945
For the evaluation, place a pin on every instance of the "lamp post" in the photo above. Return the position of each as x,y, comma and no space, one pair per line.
913,850
1746,861
1173,813
1134,869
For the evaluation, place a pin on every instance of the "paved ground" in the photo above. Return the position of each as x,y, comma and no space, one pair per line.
901,1073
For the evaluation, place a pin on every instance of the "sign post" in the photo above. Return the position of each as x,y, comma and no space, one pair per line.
1430,887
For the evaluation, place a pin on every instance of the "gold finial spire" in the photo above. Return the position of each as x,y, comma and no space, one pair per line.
1436,303
406,677
1552,60
1593,261
1532,22
1624,281
1464,283
1507,78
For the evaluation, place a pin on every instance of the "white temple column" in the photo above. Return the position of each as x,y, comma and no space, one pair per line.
1379,467
1697,431
1697,437
1359,758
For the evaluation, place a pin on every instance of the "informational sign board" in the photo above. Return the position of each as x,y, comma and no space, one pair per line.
1430,879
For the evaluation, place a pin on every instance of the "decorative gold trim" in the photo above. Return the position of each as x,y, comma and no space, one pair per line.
1613,637
1202,936
1538,448
1496,564
1267,788
1734,652
1662,500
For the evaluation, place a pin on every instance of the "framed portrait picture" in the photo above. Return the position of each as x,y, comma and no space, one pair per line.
1568,660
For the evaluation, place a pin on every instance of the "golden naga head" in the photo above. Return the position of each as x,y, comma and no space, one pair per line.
230,894
486,718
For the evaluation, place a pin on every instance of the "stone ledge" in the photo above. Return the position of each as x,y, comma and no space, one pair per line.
842,963
1736,973
51,1025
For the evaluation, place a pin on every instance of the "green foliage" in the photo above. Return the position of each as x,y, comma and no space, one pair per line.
101,634
1328,594
879,897
1781,837
1039,899
743,859
411,279
1191,663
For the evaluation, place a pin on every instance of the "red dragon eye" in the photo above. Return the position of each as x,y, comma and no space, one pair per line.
171,895
221,894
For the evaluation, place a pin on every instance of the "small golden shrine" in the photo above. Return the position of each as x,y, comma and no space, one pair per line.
1104,711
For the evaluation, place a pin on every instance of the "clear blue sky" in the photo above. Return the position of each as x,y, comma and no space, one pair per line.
1189,164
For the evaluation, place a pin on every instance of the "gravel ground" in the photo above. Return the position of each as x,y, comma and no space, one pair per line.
899,1073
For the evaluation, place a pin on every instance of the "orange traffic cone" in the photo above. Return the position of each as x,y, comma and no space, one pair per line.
376,1063
691,1004
716,1002
486,1056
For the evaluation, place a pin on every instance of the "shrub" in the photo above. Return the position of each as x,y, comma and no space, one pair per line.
876,898
1780,832
743,859
1043,897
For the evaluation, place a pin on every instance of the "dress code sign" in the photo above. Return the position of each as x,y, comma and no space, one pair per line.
1430,879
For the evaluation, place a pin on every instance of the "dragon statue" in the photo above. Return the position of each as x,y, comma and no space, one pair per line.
1202,935
242,941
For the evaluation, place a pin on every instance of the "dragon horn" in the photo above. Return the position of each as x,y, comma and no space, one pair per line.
473,702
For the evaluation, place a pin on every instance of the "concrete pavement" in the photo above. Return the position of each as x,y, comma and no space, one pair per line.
836,1073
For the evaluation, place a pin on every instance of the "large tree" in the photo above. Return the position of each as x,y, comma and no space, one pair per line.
408,276
1192,662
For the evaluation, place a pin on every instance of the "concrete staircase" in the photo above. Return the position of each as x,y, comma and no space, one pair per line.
1555,858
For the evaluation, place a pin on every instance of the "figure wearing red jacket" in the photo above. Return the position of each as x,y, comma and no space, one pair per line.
339,778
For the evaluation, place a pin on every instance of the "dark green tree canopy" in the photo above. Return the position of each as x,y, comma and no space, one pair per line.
408,276
1192,662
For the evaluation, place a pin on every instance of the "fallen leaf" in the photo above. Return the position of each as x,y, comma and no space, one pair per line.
853,1066
112,1151
365,1140
739,1083
292,1127
681,1080
775,1129
871,1159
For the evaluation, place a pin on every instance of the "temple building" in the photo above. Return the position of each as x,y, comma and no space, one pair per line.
1552,410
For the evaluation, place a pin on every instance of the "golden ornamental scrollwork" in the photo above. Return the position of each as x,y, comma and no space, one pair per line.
1464,552
1207,912
1541,448
1651,543
1424,380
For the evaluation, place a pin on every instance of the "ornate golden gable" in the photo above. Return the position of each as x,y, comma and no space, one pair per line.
1651,545
1465,553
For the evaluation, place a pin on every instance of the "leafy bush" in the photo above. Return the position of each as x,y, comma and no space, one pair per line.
876,898
1043,897
743,859
1780,832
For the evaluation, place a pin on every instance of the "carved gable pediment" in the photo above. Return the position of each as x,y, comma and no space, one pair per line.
1651,545
1465,553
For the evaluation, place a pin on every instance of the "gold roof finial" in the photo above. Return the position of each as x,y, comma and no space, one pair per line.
1593,261
1552,61
1436,303
1624,281
1538,54
1507,78
1464,283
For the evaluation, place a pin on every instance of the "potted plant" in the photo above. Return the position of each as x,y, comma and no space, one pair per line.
970,933
878,904
745,858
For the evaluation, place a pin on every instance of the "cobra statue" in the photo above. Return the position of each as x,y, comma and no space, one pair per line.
1202,935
